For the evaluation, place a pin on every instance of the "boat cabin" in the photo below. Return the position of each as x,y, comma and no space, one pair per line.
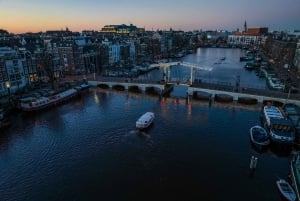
279,127
284,126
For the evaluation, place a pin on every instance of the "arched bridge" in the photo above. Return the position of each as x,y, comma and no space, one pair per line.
128,84
213,89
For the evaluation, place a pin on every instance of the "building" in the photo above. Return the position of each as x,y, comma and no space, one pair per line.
114,53
12,78
297,57
250,36
122,29
29,65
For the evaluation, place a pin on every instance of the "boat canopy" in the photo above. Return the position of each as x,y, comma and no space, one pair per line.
146,117
272,112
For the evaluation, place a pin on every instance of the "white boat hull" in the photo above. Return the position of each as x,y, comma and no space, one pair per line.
145,120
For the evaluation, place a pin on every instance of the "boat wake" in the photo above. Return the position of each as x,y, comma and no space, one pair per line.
133,131
140,133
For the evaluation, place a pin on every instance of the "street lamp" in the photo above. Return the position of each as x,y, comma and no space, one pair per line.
7,85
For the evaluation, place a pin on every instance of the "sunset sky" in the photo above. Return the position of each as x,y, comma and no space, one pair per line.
18,16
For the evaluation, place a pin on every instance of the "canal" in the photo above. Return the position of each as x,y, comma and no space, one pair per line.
223,71
88,149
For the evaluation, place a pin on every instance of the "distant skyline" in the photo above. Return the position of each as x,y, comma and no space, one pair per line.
19,16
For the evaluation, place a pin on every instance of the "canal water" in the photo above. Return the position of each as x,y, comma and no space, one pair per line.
89,149
223,71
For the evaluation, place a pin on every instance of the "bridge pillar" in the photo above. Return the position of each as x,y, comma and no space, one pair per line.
187,98
260,99
213,94
235,97
143,88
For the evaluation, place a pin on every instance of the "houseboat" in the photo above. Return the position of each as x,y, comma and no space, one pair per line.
35,104
277,125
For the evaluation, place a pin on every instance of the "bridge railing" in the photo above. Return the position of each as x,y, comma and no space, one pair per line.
127,80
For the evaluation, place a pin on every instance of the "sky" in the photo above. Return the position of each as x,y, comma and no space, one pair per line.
20,16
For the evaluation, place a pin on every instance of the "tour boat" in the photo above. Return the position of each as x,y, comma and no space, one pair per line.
280,129
145,120
259,136
36,104
286,190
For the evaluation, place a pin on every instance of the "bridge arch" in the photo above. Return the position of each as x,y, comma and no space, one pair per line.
103,86
134,88
122,86
118,87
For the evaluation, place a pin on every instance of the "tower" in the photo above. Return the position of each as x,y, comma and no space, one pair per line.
245,26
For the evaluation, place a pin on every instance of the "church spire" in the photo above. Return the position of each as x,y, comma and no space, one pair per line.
245,26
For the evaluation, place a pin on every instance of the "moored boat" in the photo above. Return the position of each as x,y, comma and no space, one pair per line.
145,120
36,104
275,83
249,66
293,113
82,87
286,190
259,136
295,172
246,58
279,128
